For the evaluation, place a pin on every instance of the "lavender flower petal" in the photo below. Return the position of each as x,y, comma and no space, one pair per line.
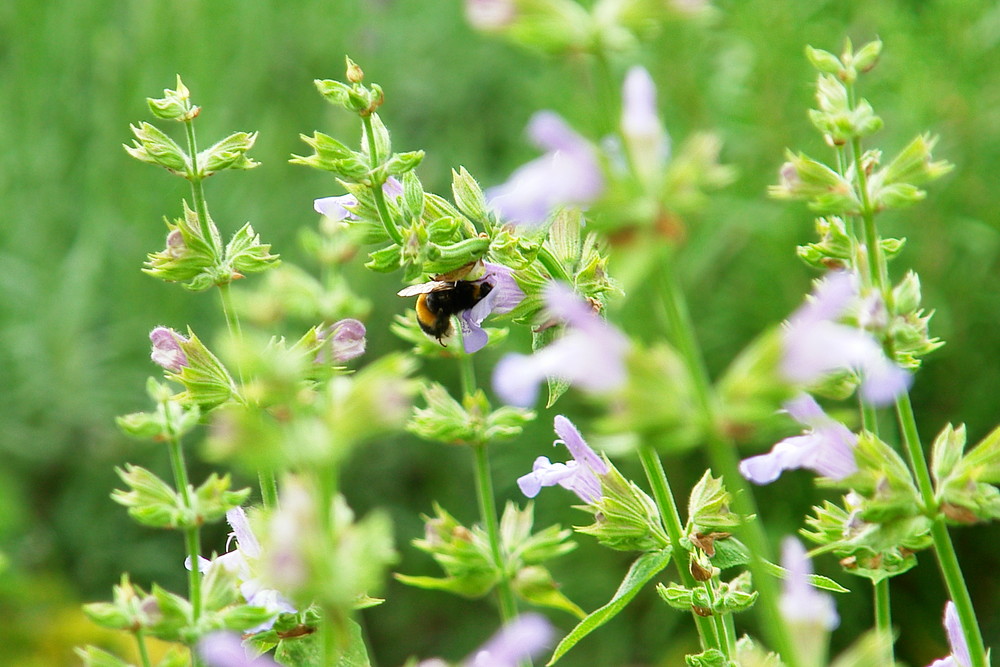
956,638
568,174
346,338
225,649
167,352
335,208
816,345
827,448
591,355
800,603
523,638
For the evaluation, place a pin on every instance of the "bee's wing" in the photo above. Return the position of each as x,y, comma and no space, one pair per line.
424,288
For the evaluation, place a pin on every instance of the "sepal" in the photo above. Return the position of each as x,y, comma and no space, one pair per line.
172,419
246,254
206,380
228,153
174,105
152,146
708,506
188,257
625,518
471,422
129,609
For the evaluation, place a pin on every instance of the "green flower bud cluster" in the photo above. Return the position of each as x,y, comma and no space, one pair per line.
466,557
324,555
167,616
194,254
728,598
625,518
292,420
471,422
152,502
857,190
965,482
884,520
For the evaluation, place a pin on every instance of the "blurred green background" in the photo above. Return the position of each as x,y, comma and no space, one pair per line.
79,216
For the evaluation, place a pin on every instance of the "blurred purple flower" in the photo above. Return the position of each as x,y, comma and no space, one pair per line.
339,207
503,298
590,355
568,174
815,344
579,475
800,603
167,350
648,144
521,639
225,649
346,340
826,448
490,15
956,640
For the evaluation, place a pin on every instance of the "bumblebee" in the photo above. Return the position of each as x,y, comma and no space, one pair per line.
438,300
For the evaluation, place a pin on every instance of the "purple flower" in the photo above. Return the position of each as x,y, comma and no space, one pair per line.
502,298
568,174
826,448
225,649
956,640
581,475
521,639
346,340
591,354
341,207
490,15
815,344
800,603
167,350
648,144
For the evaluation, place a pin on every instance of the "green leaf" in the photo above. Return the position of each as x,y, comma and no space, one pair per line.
730,552
642,570
307,651
817,580
95,657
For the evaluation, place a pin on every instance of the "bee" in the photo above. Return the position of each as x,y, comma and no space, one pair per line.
439,299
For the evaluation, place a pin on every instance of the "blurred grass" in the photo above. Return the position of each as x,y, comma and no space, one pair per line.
79,216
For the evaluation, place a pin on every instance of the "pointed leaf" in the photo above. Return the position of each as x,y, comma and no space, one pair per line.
642,570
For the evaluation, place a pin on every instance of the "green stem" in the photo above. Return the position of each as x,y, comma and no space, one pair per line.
192,536
198,191
883,609
722,454
951,571
707,630
486,498
140,641
958,591
488,514
723,624
379,196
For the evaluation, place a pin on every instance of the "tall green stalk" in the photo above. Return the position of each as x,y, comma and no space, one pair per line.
708,630
722,454
948,563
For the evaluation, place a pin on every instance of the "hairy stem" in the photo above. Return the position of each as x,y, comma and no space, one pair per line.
192,536
375,160
664,497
